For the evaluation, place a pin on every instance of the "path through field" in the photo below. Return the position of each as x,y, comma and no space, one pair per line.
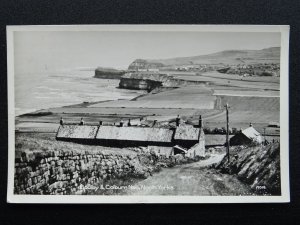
192,179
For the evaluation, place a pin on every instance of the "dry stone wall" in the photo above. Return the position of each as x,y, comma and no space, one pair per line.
59,172
68,172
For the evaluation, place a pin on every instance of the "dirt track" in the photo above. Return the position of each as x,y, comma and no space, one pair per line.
191,179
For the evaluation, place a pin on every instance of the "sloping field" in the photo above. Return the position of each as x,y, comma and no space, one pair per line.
244,110
247,93
206,103
218,79
233,83
238,103
92,116
194,97
261,116
109,112
231,57
219,75
37,127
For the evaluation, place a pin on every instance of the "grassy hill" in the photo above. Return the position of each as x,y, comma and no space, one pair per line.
231,57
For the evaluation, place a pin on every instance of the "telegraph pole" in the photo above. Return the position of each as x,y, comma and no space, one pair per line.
264,136
227,132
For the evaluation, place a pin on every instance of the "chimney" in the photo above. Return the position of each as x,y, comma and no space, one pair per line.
100,123
154,122
177,121
200,121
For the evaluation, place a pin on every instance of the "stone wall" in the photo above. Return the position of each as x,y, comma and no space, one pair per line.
59,172
70,172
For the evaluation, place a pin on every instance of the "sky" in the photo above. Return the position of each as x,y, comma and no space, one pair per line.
38,51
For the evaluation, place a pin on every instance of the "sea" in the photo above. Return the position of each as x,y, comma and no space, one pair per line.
35,91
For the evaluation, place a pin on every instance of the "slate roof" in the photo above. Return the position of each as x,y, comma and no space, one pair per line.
77,132
135,134
251,133
187,132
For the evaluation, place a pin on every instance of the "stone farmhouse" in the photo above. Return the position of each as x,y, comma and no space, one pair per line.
183,135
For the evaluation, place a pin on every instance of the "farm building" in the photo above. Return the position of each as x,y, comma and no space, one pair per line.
197,150
85,134
246,136
185,136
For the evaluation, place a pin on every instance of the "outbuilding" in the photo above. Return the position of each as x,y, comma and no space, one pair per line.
246,136
186,135
75,133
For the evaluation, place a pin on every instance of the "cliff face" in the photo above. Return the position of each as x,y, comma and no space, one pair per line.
154,76
142,80
149,81
108,73
139,84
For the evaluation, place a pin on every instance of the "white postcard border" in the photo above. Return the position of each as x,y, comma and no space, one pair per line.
71,199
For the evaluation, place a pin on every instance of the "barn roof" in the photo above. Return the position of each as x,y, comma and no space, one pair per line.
135,134
187,132
251,133
77,132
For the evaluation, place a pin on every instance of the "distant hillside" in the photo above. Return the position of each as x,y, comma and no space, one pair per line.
229,57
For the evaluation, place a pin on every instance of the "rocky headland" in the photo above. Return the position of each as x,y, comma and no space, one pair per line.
152,80
108,73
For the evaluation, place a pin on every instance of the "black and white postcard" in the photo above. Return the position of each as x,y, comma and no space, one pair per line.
148,114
